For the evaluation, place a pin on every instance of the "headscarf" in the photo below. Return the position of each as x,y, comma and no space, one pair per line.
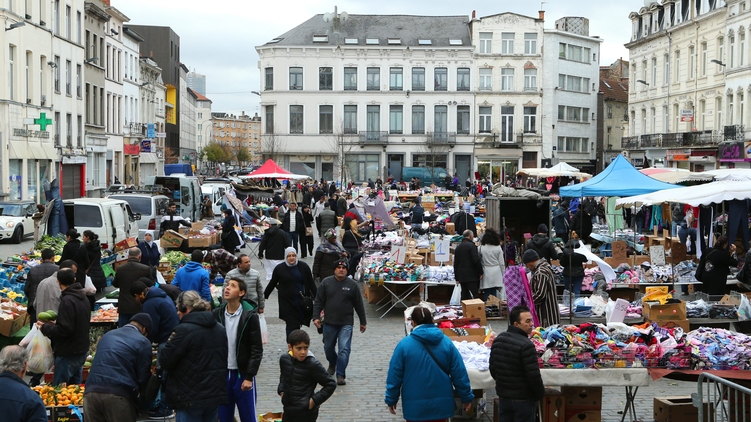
151,232
328,247
287,252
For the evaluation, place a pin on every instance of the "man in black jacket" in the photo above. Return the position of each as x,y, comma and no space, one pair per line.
542,244
70,332
514,367
293,224
36,275
126,275
468,266
273,244
243,333
195,358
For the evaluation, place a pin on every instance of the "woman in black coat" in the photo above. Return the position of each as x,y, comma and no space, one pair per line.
76,251
293,280
717,262
94,250
230,242
573,267
306,242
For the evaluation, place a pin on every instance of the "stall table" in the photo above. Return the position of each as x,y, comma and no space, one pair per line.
395,298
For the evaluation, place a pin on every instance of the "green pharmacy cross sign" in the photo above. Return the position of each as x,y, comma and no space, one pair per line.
43,121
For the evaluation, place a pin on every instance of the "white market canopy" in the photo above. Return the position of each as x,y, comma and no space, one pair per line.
674,177
560,169
708,193
730,174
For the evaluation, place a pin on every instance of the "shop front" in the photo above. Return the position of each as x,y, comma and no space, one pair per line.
734,154
131,155
72,173
29,166
498,168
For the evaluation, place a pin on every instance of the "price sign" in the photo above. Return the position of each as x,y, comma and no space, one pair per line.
442,253
657,254
619,313
398,254
619,250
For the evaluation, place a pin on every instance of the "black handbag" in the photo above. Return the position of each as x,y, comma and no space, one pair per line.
153,386
307,306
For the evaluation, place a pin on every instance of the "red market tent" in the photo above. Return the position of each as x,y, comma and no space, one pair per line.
272,170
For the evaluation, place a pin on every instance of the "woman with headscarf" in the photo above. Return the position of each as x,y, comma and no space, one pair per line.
328,252
74,249
294,282
149,252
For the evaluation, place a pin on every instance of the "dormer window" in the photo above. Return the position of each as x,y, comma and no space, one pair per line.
320,38
395,41
350,41
424,42
371,41
455,42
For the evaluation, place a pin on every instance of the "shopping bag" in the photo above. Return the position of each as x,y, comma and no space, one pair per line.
264,329
456,296
89,287
160,278
744,310
41,358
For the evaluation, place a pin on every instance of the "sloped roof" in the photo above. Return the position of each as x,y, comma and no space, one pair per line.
620,178
615,89
407,28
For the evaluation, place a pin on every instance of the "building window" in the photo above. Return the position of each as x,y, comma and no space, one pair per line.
418,79
268,79
296,119
486,79
57,128
325,79
462,120
440,119
486,42
56,17
507,124
507,43
441,79
11,72
68,130
350,79
373,121
28,74
78,27
396,79
741,48
572,144
666,71
703,59
530,43
68,31
326,119
396,117
561,112
462,79
677,66
79,129
654,71
485,119
363,166
57,73
79,80
530,79
691,62
573,83
68,76
665,119
374,79
507,79
530,119
350,119
295,78
731,50
573,52
418,120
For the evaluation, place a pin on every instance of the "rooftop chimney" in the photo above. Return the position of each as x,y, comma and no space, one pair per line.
474,14
542,15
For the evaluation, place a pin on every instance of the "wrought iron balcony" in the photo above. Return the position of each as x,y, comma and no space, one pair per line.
674,140
374,137
441,138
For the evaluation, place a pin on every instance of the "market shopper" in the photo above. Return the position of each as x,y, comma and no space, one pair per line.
417,214
327,255
120,370
195,358
272,246
294,225
70,332
48,292
716,262
542,244
468,269
221,262
325,220
425,370
294,282
341,205
155,303
542,284
125,276
252,280
573,266
514,367
561,220
338,298
245,348
74,249
149,251
94,251
493,264
193,276
307,241
230,239
172,220
17,401
35,277
300,373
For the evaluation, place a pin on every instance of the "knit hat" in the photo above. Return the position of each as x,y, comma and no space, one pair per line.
542,228
144,319
530,255
343,262
329,234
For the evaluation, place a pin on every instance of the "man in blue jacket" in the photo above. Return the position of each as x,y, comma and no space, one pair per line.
18,402
161,309
121,369
194,277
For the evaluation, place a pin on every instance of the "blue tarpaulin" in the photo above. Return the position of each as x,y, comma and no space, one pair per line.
620,178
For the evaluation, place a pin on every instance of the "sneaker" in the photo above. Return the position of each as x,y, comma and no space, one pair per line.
340,380
162,414
331,369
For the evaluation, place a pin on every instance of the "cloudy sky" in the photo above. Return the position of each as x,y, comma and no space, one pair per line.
218,37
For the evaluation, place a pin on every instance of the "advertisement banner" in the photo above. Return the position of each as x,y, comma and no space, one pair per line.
687,115
731,152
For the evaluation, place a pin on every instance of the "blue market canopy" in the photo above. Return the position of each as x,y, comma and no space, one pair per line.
620,178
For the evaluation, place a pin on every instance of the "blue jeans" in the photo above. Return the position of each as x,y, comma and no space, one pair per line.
295,237
68,369
203,414
487,292
333,334
517,410
577,287
244,400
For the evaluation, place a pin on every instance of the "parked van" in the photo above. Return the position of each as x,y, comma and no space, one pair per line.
151,207
184,190
215,189
427,175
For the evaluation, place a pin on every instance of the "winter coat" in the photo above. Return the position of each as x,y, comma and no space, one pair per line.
273,244
149,254
70,332
299,223
126,275
542,244
298,381
427,390
248,343
418,213
19,402
122,364
326,220
467,262
334,205
341,206
514,366
48,295
195,358
193,277
35,277
582,224
544,294
163,314
572,263
308,221
493,266
339,300
288,295
715,281
230,241
254,287
324,263
95,271
76,251
464,221
351,242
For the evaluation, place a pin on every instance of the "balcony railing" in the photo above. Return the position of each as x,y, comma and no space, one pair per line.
674,140
442,138
374,137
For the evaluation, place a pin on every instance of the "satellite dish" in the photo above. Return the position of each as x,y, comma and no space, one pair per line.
328,17
343,16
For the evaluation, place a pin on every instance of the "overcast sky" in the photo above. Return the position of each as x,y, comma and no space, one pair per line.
218,37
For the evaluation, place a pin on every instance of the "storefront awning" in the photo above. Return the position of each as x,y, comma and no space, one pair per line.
148,158
20,150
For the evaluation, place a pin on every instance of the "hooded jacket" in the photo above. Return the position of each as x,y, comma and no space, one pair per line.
427,390
572,262
514,367
542,244
195,358
70,332
163,315
273,244
249,347
193,277
298,381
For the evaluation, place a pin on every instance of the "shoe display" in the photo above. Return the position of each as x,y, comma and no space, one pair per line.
340,380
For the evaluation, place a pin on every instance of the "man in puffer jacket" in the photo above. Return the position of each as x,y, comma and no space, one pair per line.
542,244
195,360
514,367
194,277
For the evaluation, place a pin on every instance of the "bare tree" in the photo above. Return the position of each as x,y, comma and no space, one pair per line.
436,154
341,144
171,155
273,145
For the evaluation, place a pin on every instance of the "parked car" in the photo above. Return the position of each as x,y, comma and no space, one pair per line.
15,219
151,207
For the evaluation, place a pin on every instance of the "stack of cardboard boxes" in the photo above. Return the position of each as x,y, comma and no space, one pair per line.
583,404
669,315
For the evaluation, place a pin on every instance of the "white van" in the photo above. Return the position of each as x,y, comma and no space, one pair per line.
184,190
215,189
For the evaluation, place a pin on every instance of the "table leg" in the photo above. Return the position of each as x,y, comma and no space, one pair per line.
398,298
630,407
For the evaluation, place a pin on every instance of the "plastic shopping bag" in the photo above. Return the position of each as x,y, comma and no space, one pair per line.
456,296
89,287
264,329
744,311
41,358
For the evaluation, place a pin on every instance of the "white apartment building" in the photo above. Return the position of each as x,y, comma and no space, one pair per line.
134,128
188,104
352,97
114,126
679,105
203,121
153,93
737,71
508,74
571,73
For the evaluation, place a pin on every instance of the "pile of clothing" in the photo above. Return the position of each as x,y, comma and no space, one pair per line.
440,274
384,239
716,348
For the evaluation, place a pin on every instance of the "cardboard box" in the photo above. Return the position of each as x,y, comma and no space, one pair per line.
374,294
171,239
66,414
196,227
122,256
678,409
476,335
553,406
582,398
416,259
440,294
128,243
433,263
10,327
683,323
200,241
475,409
118,264
586,416
668,312
474,308
450,228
